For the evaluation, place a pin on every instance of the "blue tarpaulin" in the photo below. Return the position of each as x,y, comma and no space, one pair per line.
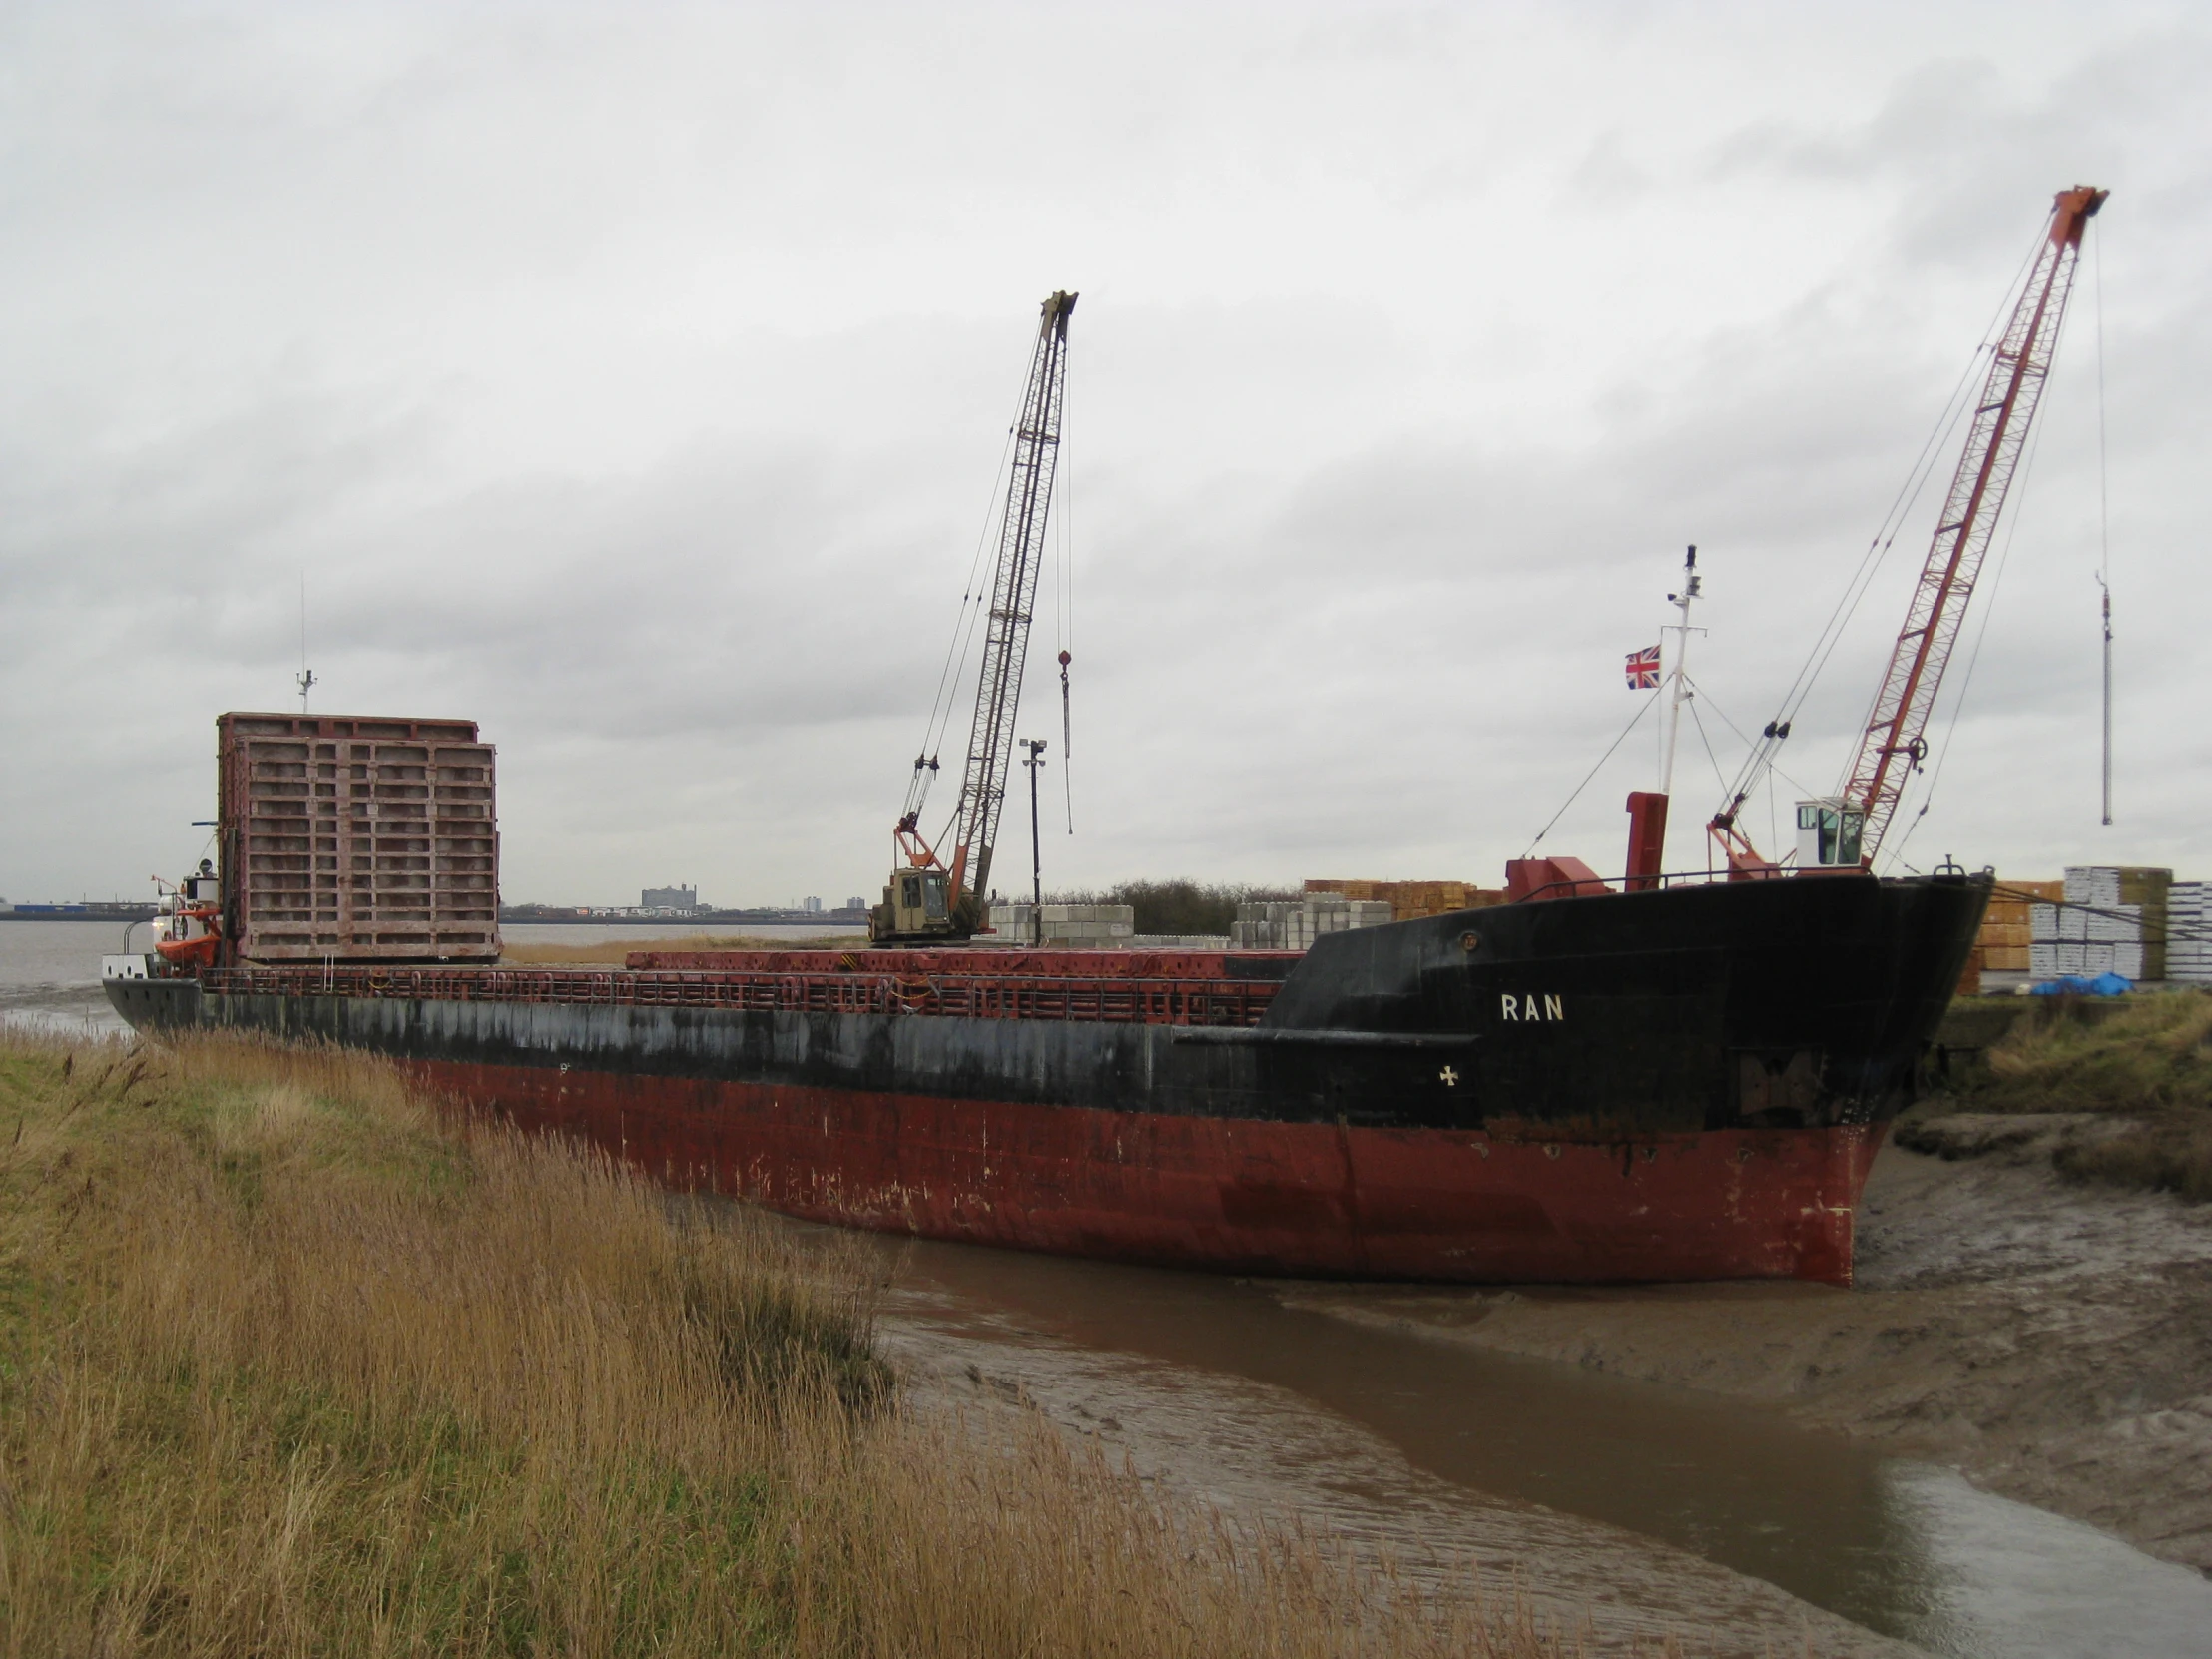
2073,984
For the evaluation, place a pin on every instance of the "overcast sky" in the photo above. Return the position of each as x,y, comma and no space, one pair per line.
631,379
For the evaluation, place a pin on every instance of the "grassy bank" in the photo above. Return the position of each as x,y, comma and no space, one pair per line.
289,1363
2148,1061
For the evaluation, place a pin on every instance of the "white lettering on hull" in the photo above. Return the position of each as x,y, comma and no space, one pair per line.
1521,1009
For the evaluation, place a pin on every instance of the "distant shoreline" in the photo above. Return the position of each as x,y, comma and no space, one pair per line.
119,913
705,918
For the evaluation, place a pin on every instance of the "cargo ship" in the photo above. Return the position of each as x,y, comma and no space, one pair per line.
1688,1081
1661,1076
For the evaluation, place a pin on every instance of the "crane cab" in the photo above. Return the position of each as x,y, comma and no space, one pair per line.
918,905
1828,834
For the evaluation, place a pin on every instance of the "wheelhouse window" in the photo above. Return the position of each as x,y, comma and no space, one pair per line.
1830,834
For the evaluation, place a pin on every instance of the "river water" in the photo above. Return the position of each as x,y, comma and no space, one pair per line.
1432,1447
1645,1508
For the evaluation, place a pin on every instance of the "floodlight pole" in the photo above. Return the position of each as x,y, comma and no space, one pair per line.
1035,746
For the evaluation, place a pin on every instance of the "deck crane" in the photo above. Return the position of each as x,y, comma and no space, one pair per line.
935,893
1843,830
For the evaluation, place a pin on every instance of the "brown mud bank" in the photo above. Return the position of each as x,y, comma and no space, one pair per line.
2050,1340
1142,1365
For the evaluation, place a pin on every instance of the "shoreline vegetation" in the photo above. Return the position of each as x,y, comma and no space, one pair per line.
2119,1092
293,1361
1178,907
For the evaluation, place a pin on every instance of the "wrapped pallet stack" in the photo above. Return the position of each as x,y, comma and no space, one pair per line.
1410,901
2113,921
1295,924
2189,934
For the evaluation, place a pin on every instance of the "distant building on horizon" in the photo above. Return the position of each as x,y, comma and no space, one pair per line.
669,899
813,906
855,903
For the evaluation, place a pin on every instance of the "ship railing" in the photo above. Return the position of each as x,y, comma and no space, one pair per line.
1567,888
960,996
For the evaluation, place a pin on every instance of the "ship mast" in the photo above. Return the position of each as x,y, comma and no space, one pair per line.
1679,678
1647,808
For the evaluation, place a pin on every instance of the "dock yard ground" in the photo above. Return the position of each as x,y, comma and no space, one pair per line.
2034,1298
291,1362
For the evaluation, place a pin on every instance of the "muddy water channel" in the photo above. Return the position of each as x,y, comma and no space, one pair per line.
1639,1507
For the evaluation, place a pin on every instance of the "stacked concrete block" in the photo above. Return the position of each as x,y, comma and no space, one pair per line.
1179,941
1068,926
1295,924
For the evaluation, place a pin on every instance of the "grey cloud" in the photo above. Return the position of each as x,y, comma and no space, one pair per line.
632,382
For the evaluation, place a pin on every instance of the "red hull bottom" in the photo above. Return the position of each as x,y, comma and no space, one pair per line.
1229,1195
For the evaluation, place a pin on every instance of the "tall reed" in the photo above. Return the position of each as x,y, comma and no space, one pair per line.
294,1362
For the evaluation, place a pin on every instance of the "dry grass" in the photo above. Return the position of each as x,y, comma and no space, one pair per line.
612,952
2151,1061
288,1365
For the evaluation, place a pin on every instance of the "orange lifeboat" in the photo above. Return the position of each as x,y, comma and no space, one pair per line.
188,931
188,939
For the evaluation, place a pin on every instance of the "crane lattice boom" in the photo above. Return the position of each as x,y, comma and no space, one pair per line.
1892,740
1014,595
928,896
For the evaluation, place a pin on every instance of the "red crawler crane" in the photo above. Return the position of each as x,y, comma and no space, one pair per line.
1845,831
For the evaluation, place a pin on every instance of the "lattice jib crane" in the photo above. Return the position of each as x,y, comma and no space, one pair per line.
935,892
1846,829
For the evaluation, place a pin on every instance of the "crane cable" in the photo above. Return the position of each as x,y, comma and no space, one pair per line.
1884,537
1642,709
1066,608
2017,505
1989,611
946,700
2104,534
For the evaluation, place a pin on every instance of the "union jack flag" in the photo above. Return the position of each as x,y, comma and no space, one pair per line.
1643,668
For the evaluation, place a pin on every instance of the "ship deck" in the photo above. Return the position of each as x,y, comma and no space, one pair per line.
1112,987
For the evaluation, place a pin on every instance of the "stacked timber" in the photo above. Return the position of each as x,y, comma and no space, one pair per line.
1410,901
1970,977
1295,924
2008,928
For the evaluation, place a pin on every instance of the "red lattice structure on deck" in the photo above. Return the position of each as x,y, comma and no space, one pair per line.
1893,741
